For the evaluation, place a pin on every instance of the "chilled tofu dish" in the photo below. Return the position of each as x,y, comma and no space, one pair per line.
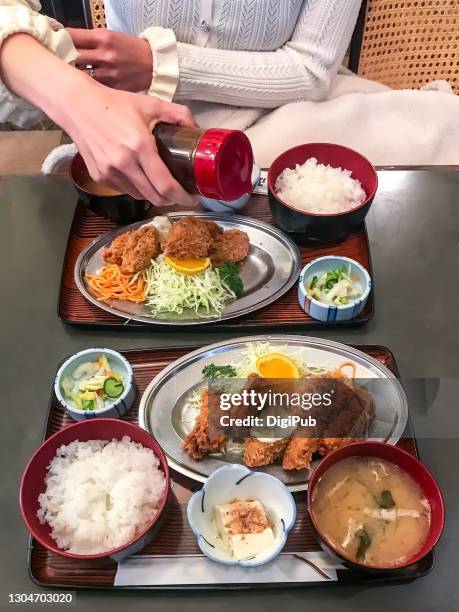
244,528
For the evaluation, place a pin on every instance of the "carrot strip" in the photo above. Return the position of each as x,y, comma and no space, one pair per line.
339,372
112,283
348,364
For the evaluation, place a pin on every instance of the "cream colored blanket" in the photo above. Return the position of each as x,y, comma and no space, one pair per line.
390,127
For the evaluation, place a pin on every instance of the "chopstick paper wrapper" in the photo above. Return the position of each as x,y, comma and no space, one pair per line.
198,570
262,185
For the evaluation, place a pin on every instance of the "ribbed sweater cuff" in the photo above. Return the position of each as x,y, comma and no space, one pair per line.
165,75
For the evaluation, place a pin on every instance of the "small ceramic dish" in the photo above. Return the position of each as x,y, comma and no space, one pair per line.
238,482
235,205
115,408
326,312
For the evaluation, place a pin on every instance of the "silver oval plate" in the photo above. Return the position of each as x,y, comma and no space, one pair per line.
272,267
166,412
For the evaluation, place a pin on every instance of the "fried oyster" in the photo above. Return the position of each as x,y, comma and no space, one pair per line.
133,250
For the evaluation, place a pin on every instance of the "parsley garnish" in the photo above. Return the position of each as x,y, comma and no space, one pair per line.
213,371
229,273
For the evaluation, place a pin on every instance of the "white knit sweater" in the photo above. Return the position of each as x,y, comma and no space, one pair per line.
252,53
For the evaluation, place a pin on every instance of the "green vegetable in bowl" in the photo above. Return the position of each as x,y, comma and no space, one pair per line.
364,543
113,387
92,385
385,500
336,287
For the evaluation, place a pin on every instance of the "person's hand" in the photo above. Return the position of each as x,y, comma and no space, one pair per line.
118,60
112,131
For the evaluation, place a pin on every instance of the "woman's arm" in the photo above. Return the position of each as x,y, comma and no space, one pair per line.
112,129
36,75
301,70
22,16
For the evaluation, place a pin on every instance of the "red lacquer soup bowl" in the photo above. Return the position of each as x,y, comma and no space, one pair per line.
406,462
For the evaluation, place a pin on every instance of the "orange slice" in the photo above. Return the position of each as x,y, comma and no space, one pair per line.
276,365
188,266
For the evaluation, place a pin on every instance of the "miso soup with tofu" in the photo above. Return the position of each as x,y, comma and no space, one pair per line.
372,512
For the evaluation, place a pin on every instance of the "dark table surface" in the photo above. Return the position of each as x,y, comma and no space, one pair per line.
414,235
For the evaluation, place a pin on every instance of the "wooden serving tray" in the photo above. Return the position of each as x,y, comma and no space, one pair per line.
73,308
176,538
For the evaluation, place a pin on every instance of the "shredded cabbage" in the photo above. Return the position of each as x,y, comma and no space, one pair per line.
248,365
169,291
194,403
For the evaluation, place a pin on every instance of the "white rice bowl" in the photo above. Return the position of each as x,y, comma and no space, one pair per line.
319,189
100,495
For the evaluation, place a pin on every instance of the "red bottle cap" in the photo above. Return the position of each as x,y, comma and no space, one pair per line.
223,164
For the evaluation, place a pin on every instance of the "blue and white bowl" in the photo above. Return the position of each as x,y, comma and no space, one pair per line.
115,408
234,205
326,312
238,482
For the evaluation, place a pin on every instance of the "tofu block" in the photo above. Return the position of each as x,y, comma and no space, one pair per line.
244,528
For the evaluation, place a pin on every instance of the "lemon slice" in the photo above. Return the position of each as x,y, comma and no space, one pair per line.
276,365
188,266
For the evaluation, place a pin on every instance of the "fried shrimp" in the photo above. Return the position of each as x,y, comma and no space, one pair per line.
200,441
299,452
258,453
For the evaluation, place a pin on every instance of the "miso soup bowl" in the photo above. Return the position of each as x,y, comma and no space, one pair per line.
320,227
33,482
406,462
121,208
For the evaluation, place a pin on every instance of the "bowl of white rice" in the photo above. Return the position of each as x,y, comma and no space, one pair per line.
96,489
321,192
